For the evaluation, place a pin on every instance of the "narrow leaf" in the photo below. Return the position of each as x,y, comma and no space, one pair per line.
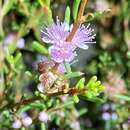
39,48
73,74
75,8
67,15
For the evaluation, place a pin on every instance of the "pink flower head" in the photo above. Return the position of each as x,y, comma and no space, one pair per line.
61,50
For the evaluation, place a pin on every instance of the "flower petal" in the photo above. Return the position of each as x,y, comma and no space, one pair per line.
83,36
62,52
82,46
54,52
56,32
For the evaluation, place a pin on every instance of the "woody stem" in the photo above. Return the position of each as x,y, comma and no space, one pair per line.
77,21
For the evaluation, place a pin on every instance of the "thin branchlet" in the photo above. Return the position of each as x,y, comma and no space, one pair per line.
77,21
16,106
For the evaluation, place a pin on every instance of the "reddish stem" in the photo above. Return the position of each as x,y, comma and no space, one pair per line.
78,21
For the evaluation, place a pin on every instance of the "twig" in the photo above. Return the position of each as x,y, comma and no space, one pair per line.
78,21
26,102
15,106
33,99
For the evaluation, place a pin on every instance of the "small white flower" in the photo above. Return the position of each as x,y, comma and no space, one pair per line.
114,116
75,125
106,116
20,43
105,107
16,124
43,116
27,121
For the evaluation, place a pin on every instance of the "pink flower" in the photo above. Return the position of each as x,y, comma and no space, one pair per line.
55,33
61,50
83,36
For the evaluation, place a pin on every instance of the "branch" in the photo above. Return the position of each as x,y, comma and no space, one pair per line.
15,106
78,21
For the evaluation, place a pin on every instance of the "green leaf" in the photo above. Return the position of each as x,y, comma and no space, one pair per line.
12,47
67,67
39,48
37,105
80,84
29,74
91,81
123,97
72,75
82,111
75,8
93,99
50,19
98,83
88,95
67,15
68,103
17,58
97,100
75,98
101,88
10,59
25,108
